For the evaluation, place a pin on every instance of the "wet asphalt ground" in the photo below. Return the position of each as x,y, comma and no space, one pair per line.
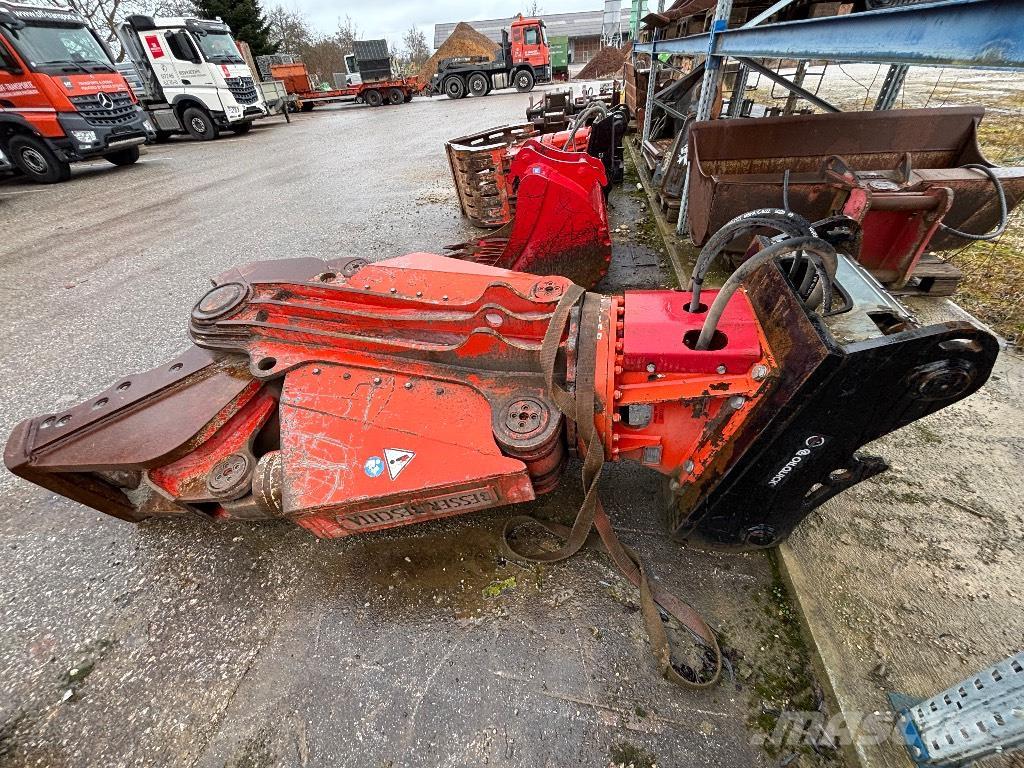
198,644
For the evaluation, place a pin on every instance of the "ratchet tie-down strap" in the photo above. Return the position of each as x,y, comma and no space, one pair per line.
580,408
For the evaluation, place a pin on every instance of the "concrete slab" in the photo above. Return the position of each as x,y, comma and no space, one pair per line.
196,644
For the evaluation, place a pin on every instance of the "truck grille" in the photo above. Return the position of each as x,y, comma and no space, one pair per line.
243,89
93,110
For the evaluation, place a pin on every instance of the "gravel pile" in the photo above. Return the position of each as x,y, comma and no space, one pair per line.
606,63
463,41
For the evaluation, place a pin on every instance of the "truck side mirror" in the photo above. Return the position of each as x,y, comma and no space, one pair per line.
188,47
12,22
8,62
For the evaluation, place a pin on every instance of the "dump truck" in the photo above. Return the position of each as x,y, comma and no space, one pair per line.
368,80
190,76
524,60
61,100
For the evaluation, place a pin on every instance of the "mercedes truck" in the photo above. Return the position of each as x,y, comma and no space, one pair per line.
61,99
190,76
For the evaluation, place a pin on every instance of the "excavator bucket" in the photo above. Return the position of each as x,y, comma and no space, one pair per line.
481,166
561,222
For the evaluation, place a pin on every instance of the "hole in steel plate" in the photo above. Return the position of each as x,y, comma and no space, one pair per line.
718,341
100,403
266,363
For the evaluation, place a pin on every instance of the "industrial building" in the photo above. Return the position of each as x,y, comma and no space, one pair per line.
583,28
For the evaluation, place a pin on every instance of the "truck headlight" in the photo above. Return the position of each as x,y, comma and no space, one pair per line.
84,137
148,127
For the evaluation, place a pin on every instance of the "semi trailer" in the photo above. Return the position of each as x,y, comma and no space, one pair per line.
524,60
368,80
191,78
61,99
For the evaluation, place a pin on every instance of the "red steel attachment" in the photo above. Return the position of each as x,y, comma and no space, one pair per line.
481,168
350,397
561,222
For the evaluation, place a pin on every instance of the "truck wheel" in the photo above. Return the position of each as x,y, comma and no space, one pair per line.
241,130
199,124
454,87
478,84
408,97
123,156
523,80
373,98
37,161
395,96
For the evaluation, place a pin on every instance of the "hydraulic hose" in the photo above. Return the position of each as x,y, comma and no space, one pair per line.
816,250
1004,214
784,222
594,106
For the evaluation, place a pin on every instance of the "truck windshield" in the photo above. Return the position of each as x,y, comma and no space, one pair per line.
219,48
62,48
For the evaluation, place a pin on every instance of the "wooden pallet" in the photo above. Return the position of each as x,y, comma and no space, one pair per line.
932,277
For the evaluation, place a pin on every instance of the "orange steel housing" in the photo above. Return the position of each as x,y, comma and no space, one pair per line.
312,374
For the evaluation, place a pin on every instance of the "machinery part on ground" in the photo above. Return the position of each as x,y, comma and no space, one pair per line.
350,397
905,182
560,226
480,163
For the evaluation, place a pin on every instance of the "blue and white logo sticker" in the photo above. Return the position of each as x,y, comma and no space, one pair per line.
374,466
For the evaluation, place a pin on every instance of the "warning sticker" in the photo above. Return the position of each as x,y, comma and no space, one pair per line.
397,459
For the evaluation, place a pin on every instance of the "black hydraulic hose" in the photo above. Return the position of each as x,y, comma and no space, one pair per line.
783,222
595,106
816,250
1004,214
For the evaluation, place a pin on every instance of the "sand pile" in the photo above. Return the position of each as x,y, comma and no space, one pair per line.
606,63
463,41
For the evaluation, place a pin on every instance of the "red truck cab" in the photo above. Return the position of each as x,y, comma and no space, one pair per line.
530,45
61,99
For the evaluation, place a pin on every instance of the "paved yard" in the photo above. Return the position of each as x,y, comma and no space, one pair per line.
194,644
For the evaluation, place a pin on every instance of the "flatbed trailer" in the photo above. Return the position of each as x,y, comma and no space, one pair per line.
384,89
397,91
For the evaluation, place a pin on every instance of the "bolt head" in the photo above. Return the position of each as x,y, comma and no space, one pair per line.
651,368
720,369
688,466
408,385
759,372
376,379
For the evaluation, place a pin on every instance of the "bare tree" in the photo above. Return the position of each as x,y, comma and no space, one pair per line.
322,54
347,33
534,9
414,51
289,29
